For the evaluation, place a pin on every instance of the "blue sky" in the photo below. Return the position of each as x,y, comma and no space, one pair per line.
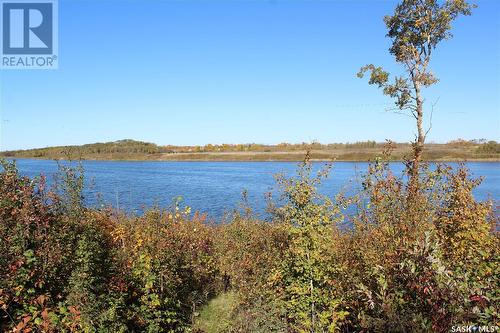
198,72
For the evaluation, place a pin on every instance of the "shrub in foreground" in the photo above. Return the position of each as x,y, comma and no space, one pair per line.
412,261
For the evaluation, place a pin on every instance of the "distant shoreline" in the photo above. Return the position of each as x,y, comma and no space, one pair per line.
130,150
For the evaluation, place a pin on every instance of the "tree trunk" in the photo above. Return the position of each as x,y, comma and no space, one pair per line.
419,143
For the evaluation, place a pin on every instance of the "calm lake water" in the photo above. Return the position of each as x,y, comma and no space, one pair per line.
214,187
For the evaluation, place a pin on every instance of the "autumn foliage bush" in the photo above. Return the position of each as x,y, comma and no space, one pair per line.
64,267
411,261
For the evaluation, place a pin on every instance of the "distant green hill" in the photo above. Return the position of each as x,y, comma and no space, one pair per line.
121,147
